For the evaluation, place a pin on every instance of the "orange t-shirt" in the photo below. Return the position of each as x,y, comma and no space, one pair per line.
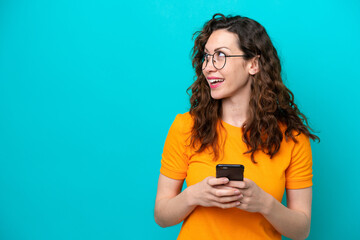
290,168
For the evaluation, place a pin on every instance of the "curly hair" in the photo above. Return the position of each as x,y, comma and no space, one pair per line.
271,102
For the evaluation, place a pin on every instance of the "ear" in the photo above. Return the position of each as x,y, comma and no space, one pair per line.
254,65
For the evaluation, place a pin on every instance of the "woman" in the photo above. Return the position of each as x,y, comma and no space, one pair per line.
241,113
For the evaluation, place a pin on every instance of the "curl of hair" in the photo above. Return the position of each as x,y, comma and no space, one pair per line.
271,102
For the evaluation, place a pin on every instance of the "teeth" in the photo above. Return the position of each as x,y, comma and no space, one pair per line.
216,80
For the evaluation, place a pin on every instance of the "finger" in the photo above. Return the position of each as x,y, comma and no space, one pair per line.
228,199
217,181
238,184
243,206
224,187
224,192
248,182
227,205
247,192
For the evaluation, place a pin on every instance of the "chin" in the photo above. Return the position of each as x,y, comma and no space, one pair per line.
217,96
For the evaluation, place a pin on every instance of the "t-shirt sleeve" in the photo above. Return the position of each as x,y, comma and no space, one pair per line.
299,173
174,162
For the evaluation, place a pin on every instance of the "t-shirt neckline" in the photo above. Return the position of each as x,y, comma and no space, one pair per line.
229,125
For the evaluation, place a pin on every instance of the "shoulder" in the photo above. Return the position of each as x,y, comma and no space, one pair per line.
184,121
298,136
299,140
182,126
185,117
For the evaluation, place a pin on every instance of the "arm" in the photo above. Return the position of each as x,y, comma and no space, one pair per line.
292,221
172,206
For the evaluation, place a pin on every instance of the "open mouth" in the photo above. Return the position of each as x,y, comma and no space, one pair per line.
216,82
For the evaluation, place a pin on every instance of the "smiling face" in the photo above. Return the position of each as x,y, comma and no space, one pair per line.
233,80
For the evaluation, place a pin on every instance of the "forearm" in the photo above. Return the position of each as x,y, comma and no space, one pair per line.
291,223
171,211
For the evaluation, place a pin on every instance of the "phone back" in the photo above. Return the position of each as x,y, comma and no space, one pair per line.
234,172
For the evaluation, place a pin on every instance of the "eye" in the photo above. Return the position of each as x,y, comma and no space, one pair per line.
220,54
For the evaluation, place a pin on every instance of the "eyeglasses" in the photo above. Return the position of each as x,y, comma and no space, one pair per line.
218,59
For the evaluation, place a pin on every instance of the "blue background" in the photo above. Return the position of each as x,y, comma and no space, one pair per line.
89,89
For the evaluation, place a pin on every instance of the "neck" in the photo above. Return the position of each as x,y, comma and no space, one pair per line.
235,110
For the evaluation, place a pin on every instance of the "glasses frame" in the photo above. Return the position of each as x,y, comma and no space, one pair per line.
213,61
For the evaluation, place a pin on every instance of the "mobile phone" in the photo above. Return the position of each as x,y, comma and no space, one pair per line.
234,172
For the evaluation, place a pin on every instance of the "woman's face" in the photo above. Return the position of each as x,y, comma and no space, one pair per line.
233,79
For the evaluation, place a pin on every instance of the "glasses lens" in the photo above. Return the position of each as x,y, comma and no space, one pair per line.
204,61
219,60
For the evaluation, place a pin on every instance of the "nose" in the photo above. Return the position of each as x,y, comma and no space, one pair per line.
210,66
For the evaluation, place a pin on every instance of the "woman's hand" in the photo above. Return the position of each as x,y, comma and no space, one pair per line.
252,197
211,192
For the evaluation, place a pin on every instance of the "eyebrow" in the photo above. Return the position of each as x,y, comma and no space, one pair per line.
218,49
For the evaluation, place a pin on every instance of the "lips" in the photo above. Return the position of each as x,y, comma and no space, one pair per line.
215,82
